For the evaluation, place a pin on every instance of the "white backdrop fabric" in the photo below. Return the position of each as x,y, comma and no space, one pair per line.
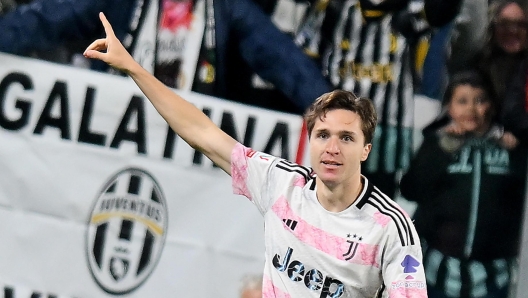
93,204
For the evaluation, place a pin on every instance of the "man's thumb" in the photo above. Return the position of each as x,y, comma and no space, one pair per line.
93,54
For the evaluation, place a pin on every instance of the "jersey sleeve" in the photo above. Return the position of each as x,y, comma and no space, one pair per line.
251,174
403,271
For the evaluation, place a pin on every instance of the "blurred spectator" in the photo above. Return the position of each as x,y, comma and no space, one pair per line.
514,112
506,46
362,46
468,178
495,49
166,38
251,286
244,85
453,47
470,33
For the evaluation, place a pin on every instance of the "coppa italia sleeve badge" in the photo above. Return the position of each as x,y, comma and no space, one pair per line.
410,264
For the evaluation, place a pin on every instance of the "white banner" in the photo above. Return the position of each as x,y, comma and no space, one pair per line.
99,199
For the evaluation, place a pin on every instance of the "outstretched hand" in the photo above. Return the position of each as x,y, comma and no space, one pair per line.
454,129
508,141
110,49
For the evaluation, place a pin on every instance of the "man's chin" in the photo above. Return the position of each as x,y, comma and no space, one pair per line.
329,180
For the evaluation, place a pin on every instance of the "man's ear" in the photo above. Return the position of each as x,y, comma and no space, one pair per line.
366,151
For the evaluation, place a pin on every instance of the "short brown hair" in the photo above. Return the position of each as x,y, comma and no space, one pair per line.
340,99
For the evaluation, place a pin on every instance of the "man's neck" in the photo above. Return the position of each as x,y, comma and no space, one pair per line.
339,198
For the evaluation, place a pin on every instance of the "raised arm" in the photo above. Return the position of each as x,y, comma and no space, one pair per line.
184,118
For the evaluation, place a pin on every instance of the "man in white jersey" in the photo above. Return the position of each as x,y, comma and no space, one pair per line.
328,231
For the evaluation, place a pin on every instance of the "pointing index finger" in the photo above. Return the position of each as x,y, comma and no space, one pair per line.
107,27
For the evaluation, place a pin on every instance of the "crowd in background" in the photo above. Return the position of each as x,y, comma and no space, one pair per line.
467,177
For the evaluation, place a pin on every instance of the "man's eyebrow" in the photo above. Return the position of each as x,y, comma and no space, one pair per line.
341,132
347,132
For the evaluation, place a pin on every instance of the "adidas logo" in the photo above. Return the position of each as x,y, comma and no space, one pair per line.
290,223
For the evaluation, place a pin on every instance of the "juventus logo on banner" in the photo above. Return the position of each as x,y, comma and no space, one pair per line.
126,231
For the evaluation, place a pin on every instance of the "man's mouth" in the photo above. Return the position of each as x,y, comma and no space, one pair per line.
330,163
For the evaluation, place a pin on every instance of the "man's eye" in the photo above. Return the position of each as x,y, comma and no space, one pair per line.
348,138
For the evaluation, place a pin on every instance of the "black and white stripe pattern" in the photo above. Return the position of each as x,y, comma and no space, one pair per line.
293,167
388,207
365,55
359,50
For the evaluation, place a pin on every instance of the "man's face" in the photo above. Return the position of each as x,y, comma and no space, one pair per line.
337,147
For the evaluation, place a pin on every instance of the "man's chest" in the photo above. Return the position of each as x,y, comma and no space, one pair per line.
303,232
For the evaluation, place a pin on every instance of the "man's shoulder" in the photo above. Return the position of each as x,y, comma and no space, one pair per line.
388,215
376,201
277,165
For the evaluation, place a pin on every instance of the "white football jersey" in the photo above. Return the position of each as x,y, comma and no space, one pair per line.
370,249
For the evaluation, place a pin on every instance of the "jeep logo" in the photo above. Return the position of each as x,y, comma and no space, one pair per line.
313,279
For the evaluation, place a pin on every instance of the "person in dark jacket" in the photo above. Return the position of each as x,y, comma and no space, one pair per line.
46,24
468,180
506,46
244,84
514,110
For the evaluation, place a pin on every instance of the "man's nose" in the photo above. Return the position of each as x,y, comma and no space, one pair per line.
332,146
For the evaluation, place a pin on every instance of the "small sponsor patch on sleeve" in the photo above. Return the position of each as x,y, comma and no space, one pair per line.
410,264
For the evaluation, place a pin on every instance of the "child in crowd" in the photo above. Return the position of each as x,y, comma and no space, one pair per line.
468,179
